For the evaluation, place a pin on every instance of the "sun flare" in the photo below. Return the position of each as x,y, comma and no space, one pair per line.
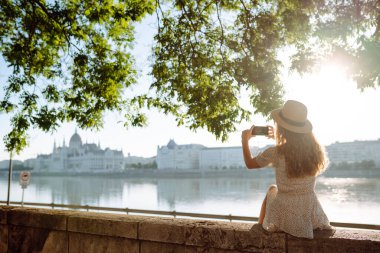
338,110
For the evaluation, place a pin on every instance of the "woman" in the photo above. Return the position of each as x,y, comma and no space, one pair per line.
291,205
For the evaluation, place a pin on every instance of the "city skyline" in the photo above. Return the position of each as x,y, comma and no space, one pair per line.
65,143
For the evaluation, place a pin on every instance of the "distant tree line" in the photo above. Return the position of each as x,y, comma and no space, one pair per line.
152,165
231,167
365,164
18,167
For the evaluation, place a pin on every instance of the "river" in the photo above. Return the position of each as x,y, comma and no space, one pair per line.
354,200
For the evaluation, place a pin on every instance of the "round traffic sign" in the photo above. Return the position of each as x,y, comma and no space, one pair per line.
24,178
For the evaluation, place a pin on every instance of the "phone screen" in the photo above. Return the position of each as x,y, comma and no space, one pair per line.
260,130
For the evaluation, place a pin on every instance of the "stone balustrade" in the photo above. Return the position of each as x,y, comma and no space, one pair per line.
48,231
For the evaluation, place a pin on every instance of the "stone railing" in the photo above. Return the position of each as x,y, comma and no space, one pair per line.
48,231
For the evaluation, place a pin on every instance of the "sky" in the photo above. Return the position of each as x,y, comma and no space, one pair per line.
337,109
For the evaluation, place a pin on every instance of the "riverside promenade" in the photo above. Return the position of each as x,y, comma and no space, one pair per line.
49,231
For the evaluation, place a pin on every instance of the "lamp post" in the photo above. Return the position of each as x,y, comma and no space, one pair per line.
9,178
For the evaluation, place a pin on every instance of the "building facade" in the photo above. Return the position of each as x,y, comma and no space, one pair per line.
199,157
193,156
355,151
78,157
178,157
223,158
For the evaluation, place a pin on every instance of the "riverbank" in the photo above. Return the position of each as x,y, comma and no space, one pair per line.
237,173
154,173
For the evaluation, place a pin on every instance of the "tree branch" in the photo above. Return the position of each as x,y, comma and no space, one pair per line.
46,11
222,31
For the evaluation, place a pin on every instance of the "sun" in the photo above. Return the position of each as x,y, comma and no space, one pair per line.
323,89
336,107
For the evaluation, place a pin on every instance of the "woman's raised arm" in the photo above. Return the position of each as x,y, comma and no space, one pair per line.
250,162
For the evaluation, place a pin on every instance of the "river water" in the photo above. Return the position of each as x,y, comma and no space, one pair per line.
354,200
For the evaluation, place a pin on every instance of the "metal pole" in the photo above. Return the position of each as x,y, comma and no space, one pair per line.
22,198
9,177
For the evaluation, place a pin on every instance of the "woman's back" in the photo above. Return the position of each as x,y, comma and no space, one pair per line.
292,206
293,185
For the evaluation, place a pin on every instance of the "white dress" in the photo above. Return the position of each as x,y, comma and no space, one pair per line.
292,206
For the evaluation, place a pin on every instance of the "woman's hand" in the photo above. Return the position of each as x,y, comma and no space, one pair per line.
250,162
247,134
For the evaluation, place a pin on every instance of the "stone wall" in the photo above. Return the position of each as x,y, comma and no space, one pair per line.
25,230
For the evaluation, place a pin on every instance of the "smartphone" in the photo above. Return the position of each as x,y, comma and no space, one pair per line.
260,130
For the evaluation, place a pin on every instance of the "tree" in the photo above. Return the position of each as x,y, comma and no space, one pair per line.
71,60
208,51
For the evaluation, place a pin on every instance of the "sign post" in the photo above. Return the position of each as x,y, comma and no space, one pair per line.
24,182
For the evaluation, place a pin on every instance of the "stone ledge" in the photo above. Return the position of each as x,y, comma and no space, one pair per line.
81,231
38,218
210,234
30,239
106,224
98,244
343,240
3,238
3,214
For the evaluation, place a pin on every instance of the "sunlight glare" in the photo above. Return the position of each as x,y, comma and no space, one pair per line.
337,109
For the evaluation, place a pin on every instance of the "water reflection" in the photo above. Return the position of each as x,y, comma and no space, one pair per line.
342,198
348,189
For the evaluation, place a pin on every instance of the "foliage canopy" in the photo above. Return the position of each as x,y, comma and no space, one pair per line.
72,61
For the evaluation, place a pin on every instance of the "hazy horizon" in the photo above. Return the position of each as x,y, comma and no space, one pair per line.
126,154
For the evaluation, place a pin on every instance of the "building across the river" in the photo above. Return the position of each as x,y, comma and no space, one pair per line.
198,157
179,157
78,157
355,151
195,156
221,158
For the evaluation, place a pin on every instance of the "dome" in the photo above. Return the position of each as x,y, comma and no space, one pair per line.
75,141
171,144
